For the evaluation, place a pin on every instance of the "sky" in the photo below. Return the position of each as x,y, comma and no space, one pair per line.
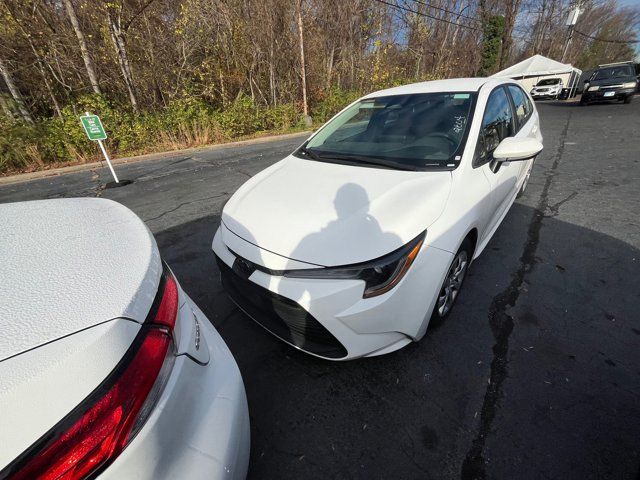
633,3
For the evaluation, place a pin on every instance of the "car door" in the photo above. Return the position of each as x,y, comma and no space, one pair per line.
498,123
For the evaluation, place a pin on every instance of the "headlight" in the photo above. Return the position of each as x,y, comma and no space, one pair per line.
380,275
629,85
594,88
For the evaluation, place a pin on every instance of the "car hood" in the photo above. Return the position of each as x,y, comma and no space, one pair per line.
331,214
70,264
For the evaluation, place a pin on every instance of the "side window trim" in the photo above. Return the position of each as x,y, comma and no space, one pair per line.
528,114
514,116
475,163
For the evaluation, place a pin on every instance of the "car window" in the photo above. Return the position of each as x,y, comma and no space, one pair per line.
613,72
497,124
548,81
412,131
523,107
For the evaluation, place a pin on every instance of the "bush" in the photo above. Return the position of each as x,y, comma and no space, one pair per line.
280,118
187,122
240,118
334,101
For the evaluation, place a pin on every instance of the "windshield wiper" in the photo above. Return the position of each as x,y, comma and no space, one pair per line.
367,160
305,151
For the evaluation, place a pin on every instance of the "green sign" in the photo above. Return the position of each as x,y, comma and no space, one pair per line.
93,127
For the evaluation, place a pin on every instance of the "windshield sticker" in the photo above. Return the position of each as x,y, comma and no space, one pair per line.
461,96
459,122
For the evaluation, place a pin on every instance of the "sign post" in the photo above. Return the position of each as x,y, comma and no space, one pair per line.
96,132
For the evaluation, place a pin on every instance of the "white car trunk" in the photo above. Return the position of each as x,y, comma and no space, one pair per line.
78,278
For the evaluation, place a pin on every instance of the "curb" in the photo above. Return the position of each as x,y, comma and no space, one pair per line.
54,172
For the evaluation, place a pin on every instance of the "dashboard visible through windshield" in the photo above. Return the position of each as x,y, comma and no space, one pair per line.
405,132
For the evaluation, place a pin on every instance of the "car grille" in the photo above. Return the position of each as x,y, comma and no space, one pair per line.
282,316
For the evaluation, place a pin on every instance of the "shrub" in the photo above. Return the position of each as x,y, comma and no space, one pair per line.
330,104
240,118
187,122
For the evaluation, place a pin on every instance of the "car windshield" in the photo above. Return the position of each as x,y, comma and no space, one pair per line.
614,72
406,132
548,81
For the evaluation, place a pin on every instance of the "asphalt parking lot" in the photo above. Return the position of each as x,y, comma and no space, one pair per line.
536,374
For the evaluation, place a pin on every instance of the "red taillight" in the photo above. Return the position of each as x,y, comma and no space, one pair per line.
101,426
168,308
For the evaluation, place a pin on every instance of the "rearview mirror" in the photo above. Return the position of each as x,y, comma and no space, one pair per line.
512,148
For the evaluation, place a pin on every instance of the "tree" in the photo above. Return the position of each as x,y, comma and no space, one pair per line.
303,72
512,8
15,93
492,30
114,18
84,51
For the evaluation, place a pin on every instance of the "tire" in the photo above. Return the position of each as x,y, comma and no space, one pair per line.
450,289
583,102
526,179
628,99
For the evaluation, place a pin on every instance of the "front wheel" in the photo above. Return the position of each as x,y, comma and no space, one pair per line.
628,99
452,283
526,181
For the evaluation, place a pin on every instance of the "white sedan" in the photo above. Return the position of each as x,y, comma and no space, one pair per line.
106,365
351,245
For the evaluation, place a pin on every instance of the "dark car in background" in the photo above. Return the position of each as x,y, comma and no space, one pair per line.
611,82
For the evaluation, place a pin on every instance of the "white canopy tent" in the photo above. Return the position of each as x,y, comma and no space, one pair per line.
533,69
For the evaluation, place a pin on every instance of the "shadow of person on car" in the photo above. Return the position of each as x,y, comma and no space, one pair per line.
343,241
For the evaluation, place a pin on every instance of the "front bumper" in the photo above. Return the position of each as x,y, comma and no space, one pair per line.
199,428
601,95
329,318
547,94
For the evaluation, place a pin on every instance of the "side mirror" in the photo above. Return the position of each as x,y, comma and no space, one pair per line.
512,148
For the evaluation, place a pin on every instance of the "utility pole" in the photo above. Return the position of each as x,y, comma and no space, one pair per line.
570,23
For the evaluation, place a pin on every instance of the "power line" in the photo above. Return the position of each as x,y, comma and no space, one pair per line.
451,12
422,14
605,40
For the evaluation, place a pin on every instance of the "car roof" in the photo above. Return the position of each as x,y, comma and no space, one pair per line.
436,86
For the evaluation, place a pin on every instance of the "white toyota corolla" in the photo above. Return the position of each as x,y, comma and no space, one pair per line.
351,245
106,366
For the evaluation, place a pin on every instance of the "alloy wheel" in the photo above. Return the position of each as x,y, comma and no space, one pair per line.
452,283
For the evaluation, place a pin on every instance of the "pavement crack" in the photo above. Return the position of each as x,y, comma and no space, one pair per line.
555,208
184,204
501,323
